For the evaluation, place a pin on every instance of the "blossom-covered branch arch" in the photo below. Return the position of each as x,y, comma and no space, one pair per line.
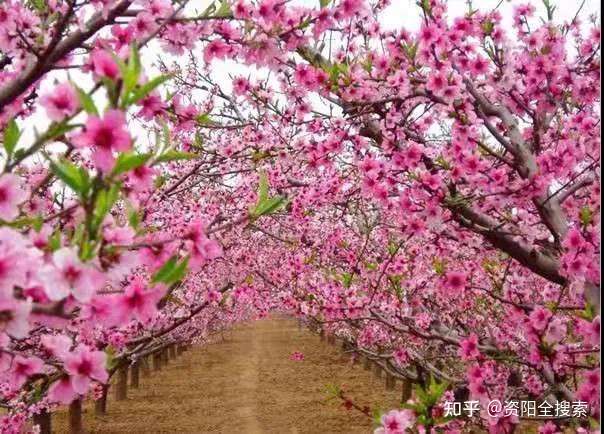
429,195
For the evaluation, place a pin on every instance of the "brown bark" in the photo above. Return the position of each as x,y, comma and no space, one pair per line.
367,363
121,385
145,366
377,371
75,417
157,364
100,405
135,374
44,421
406,391
390,381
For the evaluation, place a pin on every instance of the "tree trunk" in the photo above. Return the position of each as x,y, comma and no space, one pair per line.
121,385
100,405
75,417
322,335
157,362
172,350
43,420
406,393
377,371
367,363
146,369
390,381
135,374
331,339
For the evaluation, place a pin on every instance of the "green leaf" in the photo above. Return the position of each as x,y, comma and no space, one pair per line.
37,223
346,279
86,101
73,176
159,181
105,199
488,26
130,74
324,3
198,143
270,206
129,161
111,360
134,218
204,119
11,136
439,266
172,271
410,51
173,155
58,130
333,390
142,91
54,242
585,215
40,5
265,204
376,416
166,137
262,188
224,10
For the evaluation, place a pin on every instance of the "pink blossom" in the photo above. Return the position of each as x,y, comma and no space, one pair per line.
102,310
70,276
14,264
12,194
201,248
14,317
469,348
455,281
84,365
590,330
539,318
57,345
104,65
549,428
556,331
160,8
217,49
62,102
123,36
143,24
349,8
22,368
141,178
106,135
396,422
62,391
401,356
296,356
138,300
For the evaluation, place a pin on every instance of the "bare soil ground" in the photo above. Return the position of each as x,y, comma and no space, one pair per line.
247,384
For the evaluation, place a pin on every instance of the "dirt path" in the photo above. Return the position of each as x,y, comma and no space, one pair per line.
248,385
